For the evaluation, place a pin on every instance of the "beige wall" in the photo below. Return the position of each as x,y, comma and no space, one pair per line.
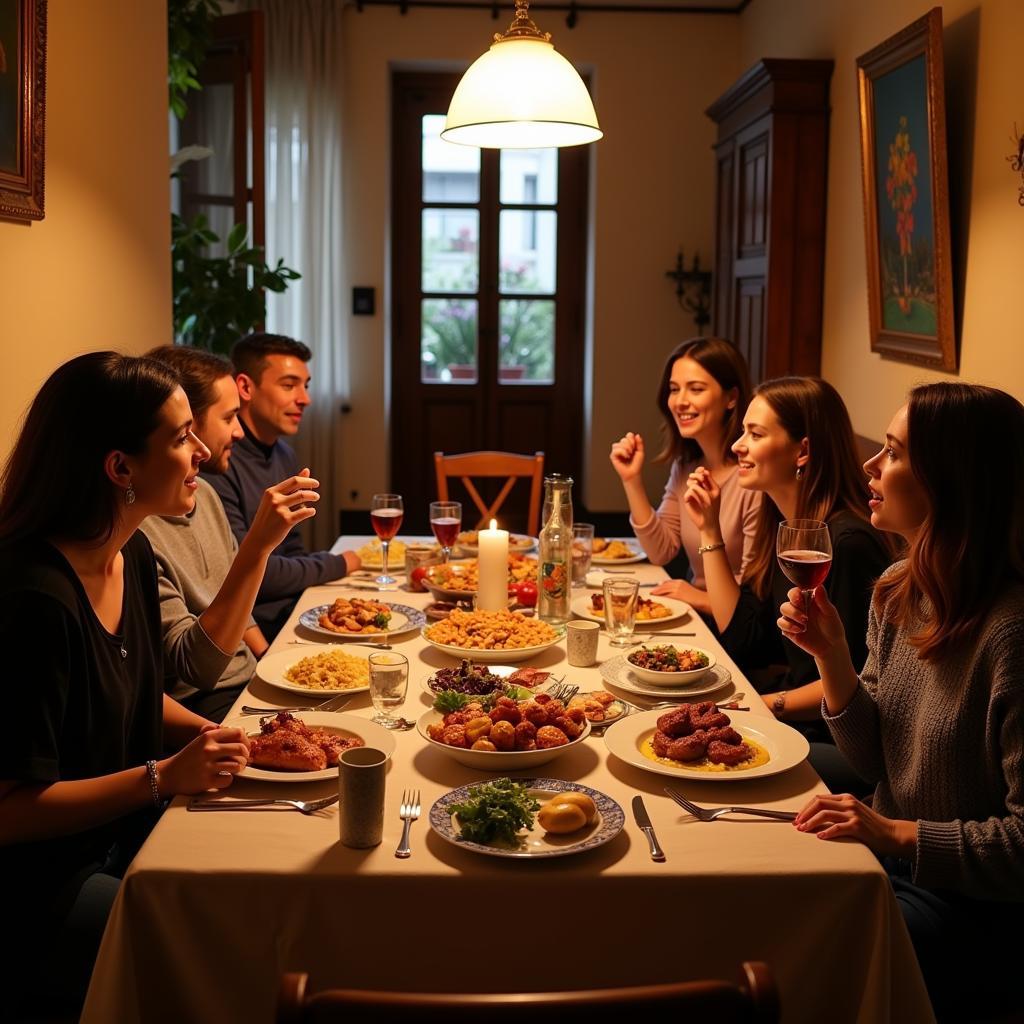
981,48
94,273
653,189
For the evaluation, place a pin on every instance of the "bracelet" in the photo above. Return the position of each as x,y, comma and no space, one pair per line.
154,788
705,548
779,704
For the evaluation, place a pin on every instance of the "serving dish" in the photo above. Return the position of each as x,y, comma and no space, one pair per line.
618,672
655,677
581,608
403,620
271,668
498,656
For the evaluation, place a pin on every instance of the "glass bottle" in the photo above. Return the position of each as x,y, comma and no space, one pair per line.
554,569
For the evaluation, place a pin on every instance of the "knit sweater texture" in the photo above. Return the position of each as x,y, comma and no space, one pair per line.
944,743
193,556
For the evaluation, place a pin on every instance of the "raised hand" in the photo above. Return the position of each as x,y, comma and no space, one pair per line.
210,761
281,507
822,634
627,456
702,500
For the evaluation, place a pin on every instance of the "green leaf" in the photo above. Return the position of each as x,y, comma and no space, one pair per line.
236,237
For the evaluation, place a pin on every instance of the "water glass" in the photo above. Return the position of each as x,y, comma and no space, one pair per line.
620,601
389,682
582,552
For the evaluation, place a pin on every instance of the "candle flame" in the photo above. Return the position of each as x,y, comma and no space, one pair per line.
494,524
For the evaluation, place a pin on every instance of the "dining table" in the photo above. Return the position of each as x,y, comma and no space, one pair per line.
216,906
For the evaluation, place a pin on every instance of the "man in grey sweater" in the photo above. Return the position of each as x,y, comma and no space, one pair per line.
207,583
272,379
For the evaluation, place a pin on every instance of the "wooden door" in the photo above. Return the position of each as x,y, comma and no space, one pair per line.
488,260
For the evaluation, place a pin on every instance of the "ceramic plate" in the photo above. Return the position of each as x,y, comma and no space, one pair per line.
518,544
786,747
637,556
618,672
403,619
497,657
373,735
677,610
538,843
371,555
271,668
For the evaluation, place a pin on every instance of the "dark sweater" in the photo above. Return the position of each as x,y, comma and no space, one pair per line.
752,637
291,568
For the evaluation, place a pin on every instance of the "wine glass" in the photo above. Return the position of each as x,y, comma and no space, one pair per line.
445,521
386,513
389,683
804,549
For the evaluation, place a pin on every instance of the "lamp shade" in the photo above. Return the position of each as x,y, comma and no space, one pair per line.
521,94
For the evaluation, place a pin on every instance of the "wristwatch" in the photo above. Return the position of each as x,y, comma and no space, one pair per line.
779,704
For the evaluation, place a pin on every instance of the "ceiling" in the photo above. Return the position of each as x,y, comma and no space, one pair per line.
640,6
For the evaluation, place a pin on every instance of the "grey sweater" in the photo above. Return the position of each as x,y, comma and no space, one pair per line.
944,742
193,555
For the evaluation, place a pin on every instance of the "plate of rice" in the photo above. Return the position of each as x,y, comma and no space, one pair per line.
319,674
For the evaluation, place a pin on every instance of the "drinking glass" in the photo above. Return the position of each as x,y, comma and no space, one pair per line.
386,513
389,681
620,601
446,521
582,552
804,549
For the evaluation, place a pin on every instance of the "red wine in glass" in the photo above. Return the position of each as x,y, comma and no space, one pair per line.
804,550
386,511
446,521
806,569
386,522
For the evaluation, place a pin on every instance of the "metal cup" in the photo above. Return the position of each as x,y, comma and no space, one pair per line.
361,772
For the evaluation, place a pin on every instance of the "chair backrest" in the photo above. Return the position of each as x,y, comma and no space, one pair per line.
493,464
753,1001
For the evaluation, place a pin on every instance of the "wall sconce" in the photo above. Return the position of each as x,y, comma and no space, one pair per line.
693,289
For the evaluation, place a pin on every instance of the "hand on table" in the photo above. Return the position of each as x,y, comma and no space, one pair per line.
210,761
683,590
845,817
627,456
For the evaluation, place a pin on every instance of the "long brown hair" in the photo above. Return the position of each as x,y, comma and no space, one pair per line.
833,479
966,449
54,484
723,361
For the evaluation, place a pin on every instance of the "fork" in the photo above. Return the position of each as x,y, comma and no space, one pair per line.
331,704
305,806
714,813
408,812
338,643
563,692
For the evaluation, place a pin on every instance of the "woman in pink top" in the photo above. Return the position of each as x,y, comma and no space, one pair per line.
704,389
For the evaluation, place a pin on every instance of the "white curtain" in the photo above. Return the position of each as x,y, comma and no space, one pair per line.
304,221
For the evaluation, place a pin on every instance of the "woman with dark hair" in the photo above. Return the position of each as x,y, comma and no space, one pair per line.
106,442
704,389
936,718
798,449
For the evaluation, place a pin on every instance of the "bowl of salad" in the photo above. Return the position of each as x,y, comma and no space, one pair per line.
667,665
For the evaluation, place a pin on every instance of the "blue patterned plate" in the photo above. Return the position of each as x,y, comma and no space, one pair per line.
537,843
403,620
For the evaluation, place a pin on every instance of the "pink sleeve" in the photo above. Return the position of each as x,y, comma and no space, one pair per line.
750,506
660,537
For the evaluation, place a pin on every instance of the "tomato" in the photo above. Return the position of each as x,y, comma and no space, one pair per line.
525,593
417,576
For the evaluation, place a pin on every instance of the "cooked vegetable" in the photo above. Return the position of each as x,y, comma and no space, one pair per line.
468,678
668,659
496,811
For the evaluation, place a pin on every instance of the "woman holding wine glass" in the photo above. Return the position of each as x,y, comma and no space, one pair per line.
703,391
797,448
935,720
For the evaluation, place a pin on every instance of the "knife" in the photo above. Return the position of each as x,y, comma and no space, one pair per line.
643,820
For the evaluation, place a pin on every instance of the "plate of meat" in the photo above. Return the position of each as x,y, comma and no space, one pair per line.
651,611
305,746
698,742
359,619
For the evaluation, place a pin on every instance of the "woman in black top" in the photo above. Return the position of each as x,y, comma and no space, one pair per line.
798,448
106,442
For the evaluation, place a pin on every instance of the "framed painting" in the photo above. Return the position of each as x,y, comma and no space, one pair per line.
22,107
906,196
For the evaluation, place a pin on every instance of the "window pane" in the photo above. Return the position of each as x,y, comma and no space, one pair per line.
527,246
450,250
448,341
451,174
527,345
529,175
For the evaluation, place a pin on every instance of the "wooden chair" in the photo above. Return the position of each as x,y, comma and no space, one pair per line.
493,464
754,1000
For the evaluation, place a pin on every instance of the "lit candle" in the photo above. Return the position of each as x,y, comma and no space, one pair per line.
492,553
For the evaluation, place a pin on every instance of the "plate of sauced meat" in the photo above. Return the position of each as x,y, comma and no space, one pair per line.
305,746
651,611
360,619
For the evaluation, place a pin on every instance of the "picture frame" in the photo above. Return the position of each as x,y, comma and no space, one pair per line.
22,108
906,196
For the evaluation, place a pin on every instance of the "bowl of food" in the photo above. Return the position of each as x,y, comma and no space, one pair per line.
667,665
503,735
491,637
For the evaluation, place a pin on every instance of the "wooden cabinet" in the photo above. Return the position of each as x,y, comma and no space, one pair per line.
772,164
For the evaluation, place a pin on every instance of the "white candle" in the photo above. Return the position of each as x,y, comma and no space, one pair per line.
492,553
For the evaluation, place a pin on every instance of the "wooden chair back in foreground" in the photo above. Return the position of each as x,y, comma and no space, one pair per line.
753,1001
493,464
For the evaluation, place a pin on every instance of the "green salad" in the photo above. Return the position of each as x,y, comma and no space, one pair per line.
496,811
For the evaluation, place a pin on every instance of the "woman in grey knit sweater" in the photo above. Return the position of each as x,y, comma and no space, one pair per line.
936,718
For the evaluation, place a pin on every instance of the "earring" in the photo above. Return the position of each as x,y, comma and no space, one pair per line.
799,472
129,495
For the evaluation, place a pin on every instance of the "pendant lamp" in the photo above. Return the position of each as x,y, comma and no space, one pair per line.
521,94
